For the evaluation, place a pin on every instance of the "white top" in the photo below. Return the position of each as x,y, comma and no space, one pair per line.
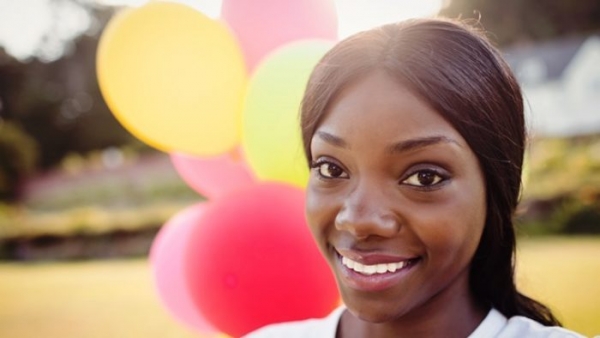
493,325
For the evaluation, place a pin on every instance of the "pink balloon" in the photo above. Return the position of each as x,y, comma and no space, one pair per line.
167,261
253,261
263,25
215,176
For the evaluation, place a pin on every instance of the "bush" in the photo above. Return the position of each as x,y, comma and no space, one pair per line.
561,186
571,214
18,156
584,221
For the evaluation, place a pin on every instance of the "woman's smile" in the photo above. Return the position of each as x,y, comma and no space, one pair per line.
373,271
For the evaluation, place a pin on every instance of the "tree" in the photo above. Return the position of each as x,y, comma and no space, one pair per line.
523,21
59,103
18,155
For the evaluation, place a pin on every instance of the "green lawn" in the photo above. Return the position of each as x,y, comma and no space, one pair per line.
88,299
117,298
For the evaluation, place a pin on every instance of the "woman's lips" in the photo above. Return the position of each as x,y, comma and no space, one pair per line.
381,273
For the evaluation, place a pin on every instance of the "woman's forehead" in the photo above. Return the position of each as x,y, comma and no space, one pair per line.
378,105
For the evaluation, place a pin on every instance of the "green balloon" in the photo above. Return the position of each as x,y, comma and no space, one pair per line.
271,136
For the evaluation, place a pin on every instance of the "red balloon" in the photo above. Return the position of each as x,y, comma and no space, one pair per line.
263,25
253,261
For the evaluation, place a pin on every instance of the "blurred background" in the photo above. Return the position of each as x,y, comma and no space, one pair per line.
81,199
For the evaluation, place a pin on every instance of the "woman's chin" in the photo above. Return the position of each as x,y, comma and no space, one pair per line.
372,315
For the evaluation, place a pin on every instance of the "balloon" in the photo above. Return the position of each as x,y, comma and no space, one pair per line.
271,130
253,261
263,25
173,77
213,177
167,261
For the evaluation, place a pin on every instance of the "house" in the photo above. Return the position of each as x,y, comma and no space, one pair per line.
561,85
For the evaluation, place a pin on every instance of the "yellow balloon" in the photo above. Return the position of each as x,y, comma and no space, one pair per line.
271,136
174,78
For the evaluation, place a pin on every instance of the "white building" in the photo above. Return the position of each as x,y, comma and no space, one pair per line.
561,85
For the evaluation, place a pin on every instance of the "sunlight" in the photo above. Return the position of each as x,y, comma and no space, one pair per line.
24,27
353,15
33,19
211,8
358,15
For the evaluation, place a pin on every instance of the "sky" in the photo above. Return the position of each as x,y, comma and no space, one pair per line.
24,23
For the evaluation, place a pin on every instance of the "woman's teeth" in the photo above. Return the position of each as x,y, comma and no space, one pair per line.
372,269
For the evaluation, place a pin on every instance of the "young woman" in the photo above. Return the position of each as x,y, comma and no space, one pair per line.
415,137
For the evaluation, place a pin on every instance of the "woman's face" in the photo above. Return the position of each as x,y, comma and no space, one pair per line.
395,201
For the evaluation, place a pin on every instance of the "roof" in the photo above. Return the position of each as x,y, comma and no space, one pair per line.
554,56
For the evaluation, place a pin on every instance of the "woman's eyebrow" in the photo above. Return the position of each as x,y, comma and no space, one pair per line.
402,146
416,143
332,139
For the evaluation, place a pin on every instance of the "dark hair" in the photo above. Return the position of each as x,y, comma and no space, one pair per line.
454,68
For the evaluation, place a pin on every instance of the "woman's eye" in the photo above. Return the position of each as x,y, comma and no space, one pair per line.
330,170
423,178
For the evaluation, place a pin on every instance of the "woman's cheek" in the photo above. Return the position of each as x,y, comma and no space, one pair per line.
320,212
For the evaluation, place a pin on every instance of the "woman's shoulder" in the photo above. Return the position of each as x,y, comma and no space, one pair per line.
322,327
497,325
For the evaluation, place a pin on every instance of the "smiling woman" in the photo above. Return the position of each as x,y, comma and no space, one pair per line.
402,188
415,137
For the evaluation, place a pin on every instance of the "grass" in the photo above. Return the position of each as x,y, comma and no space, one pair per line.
84,299
117,298
564,273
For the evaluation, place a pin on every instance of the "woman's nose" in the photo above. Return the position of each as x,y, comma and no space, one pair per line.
367,212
